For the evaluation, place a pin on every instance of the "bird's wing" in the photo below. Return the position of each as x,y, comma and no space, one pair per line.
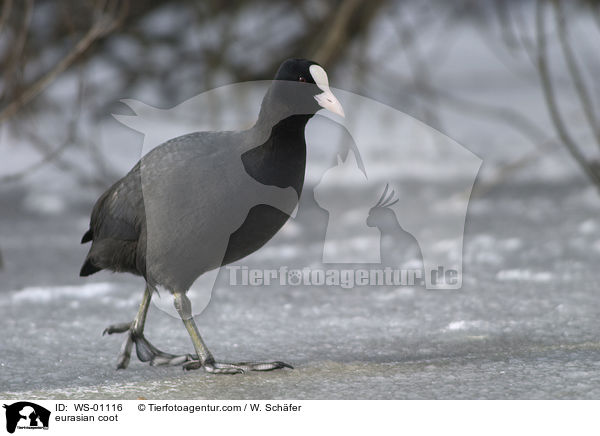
120,212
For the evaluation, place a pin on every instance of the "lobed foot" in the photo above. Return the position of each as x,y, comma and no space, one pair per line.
145,351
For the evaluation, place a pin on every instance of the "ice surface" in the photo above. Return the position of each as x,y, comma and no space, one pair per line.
524,325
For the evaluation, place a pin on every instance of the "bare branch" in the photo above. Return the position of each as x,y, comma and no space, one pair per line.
506,29
507,170
6,9
54,154
521,30
339,32
419,70
48,157
12,66
510,116
576,76
548,90
104,25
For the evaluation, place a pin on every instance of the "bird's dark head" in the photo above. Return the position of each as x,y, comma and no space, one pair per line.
302,86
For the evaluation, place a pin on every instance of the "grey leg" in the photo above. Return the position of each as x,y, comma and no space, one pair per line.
204,358
145,351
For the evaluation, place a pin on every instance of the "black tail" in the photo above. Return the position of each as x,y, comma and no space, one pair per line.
87,237
88,269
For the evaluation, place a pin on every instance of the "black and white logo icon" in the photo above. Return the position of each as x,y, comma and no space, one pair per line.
26,415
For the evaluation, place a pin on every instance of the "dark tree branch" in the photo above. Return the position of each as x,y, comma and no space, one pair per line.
103,25
550,98
575,72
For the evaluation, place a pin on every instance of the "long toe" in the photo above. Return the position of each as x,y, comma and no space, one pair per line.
173,361
223,368
213,367
235,368
125,353
264,366
117,328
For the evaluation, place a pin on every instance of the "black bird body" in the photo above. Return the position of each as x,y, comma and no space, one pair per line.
207,199
281,162
118,226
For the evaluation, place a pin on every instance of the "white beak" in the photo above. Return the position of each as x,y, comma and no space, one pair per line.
328,101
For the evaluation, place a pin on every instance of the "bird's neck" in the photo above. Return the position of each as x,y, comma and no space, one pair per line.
288,134
280,160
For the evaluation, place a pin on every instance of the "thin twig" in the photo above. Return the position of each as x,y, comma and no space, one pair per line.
6,8
54,155
507,32
100,28
337,32
421,76
596,14
525,39
548,90
12,66
576,76
48,157
510,116
509,169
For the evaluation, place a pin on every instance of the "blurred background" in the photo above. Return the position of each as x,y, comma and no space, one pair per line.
515,82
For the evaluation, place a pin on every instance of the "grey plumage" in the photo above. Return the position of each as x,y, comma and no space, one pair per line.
203,200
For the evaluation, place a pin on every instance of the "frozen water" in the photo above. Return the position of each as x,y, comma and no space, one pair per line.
524,325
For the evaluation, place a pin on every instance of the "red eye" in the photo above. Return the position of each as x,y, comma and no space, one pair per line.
301,79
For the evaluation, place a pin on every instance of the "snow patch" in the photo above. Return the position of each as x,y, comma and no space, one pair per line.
44,203
463,325
39,294
587,227
524,275
511,244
